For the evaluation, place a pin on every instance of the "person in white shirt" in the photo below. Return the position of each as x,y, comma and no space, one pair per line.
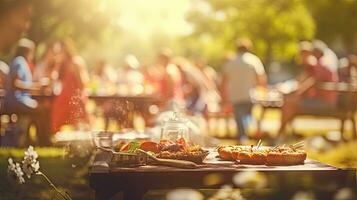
240,75
329,58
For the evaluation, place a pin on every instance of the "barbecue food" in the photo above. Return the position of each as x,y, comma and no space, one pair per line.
250,155
149,146
178,150
285,156
225,152
192,153
260,155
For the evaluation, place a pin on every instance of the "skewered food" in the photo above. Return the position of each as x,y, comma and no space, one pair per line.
291,155
259,155
255,155
250,156
225,152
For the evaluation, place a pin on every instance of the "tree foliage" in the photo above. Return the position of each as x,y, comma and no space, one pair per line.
335,20
275,27
195,28
79,19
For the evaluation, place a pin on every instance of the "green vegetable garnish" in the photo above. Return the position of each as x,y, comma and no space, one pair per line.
133,146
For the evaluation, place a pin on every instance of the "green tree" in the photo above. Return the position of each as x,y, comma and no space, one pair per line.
275,27
81,20
335,21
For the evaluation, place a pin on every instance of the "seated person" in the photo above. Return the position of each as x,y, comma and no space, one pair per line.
307,97
348,71
18,83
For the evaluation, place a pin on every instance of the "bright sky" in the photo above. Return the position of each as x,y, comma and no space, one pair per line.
145,17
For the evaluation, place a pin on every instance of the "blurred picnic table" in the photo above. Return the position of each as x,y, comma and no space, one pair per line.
139,99
122,107
341,87
268,98
273,98
44,97
135,104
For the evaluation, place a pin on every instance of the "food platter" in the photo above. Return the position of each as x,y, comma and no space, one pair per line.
264,155
181,154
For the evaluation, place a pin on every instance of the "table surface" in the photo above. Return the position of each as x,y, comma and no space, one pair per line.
134,182
211,163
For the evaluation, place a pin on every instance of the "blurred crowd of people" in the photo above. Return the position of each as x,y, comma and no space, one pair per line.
63,75
194,85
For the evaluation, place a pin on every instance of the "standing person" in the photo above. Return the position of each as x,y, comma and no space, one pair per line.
171,81
18,83
210,94
131,77
69,106
240,75
48,66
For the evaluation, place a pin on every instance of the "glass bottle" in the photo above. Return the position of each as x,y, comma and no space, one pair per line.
174,129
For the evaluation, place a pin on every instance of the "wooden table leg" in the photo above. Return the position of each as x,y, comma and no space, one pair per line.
134,193
104,195
354,127
259,122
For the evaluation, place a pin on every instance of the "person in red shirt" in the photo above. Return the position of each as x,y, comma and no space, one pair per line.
171,80
307,97
69,106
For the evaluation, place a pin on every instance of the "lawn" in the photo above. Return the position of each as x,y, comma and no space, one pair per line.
68,174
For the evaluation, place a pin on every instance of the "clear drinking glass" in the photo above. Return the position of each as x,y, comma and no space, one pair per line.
103,139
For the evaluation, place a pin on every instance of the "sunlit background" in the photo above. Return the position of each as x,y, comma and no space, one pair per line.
195,28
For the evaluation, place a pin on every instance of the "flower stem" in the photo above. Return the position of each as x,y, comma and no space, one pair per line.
66,196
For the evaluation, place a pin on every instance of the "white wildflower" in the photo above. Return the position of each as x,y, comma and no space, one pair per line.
11,166
15,170
19,173
30,165
31,153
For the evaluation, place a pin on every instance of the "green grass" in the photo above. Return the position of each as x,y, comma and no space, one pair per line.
344,155
68,174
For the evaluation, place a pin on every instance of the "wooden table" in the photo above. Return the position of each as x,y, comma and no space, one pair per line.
338,87
139,104
38,95
266,103
135,182
347,102
134,99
